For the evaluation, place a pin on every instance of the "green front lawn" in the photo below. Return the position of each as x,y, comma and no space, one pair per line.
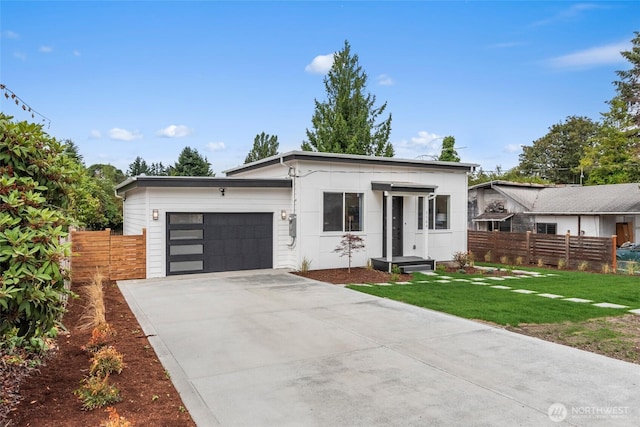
505,307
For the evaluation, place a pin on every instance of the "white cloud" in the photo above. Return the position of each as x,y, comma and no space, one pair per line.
124,135
385,80
599,55
512,148
567,14
95,134
425,146
20,55
45,49
321,64
8,34
76,53
174,131
216,146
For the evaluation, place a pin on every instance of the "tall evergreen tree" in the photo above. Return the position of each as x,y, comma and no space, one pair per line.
138,167
346,121
628,87
611,158
448,152
158,169
191,163
264,145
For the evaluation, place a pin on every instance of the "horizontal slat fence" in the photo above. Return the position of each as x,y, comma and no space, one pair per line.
116,257
547,249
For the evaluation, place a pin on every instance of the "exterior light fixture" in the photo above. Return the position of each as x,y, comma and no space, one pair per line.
155,214
283,214
222,191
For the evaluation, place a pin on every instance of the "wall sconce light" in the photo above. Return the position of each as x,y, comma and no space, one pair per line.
155,214
283,214
222,191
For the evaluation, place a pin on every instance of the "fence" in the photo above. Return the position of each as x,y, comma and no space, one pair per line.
117,257
544,248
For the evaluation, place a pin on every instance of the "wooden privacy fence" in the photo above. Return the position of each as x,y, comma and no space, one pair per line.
543,248
116,257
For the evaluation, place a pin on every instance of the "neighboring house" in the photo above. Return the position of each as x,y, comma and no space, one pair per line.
279,211
599,210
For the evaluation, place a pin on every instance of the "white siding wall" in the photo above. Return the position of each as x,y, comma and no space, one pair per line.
315,178
204,200
134,208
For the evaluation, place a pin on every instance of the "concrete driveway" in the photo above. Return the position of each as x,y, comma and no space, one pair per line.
267,348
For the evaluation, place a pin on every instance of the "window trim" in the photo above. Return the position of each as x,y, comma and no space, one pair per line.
343,229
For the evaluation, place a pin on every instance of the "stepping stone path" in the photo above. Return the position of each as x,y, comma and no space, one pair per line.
609,305
551,296
520,274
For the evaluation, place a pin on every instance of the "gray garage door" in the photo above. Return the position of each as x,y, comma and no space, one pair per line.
210,242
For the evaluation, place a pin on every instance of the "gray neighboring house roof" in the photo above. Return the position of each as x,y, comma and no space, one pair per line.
592,200
552,199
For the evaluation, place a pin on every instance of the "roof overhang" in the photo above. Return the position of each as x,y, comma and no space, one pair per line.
493,216
352,159
199,182
581,213
402,187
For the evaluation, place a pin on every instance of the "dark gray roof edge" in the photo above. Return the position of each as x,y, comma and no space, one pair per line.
402,187
349,158
199,181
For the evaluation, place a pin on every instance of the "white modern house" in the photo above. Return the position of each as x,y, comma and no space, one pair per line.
279,211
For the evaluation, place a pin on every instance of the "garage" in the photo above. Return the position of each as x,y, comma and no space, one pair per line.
213,242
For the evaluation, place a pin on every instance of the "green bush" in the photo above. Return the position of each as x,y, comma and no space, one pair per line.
34,180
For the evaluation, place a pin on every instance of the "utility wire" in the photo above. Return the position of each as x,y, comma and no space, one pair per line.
9,94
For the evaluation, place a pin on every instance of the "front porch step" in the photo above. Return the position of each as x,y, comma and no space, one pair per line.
418,267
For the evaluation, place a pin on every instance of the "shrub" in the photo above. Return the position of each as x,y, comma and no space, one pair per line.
461,259
101,335
488,257
305,265
519,260
115,420
540,263
93,314
632,267
395,272
583,266
106,361
561,264
96,392
504,260
605,268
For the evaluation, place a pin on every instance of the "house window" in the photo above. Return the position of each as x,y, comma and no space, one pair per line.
439,213
500,225
342,211
546,228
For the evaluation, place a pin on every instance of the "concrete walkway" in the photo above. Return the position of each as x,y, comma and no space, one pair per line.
267,348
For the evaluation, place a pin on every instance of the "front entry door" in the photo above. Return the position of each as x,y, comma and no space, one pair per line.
396,226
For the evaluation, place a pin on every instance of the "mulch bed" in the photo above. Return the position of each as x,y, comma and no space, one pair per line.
148,396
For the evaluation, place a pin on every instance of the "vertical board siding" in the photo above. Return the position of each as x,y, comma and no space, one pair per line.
115,257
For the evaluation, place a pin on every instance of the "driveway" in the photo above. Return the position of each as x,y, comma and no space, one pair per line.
267,348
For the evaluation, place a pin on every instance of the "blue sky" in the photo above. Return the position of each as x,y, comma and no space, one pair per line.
125,79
